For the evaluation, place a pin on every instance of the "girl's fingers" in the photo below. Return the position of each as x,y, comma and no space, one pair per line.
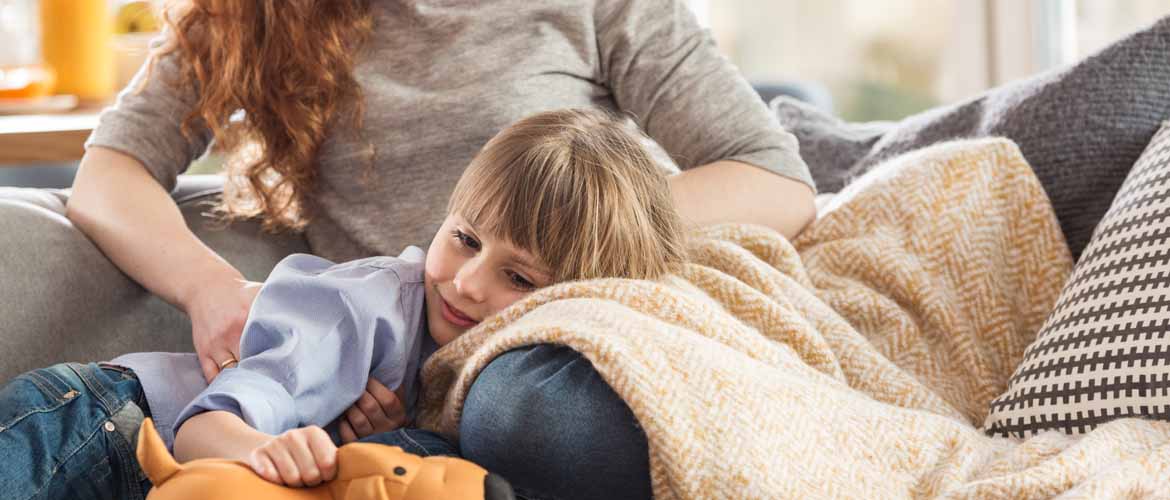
400,398
374,412
386,398
346,431
263,466
357,419
324,452
286,466
298,447
389,401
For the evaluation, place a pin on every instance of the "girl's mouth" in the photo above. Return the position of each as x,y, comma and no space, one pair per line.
455,316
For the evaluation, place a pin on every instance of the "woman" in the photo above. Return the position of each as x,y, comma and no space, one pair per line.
368,111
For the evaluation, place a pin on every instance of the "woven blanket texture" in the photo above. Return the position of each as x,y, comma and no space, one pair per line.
857,361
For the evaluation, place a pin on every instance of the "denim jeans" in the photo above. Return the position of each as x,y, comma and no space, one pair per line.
544,419
68,431
541,417
417,441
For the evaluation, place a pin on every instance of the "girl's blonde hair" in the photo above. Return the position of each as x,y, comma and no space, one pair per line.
578,189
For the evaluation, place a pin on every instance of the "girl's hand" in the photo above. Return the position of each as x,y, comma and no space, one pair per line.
218,311
297,458
377,410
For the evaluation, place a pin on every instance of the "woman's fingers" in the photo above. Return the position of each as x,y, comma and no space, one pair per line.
218,317
209,366
216,361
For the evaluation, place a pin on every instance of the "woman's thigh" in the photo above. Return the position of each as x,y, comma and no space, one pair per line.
67,431
544,419
417,441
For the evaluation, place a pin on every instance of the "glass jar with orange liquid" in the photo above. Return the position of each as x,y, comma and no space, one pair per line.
21,75
77,43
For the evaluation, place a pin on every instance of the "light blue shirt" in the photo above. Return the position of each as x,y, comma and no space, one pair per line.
316,332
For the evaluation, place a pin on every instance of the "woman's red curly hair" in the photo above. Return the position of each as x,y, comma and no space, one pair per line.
288,65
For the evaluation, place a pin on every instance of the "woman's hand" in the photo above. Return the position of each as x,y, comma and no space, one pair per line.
377,410
218,311
300,457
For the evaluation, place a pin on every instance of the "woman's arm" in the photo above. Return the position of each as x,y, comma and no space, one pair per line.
739,164
121,201
731,191
124,210
136,223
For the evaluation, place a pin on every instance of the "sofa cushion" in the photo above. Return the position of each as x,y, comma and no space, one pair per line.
1104,351
1081,127
61,299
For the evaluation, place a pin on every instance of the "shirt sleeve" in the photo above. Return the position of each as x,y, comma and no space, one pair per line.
667,72
314,335
146,125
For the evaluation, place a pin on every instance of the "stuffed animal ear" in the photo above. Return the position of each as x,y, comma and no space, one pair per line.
153,457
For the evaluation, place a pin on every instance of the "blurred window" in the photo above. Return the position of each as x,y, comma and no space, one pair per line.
1100,22
887,59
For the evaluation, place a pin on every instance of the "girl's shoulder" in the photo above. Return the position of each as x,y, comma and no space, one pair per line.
407,267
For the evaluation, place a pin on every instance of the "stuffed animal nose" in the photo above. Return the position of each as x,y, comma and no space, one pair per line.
497,488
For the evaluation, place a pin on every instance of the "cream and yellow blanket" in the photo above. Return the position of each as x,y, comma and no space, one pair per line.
857,361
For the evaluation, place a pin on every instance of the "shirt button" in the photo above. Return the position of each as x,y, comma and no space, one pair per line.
109,427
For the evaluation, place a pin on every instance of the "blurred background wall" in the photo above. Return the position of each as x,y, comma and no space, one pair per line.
860,59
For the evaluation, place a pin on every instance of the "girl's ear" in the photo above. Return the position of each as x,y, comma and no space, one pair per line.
156,461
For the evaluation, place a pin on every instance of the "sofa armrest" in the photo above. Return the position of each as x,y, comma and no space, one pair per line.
61,299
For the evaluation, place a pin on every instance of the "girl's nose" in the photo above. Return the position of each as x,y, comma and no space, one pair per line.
470,281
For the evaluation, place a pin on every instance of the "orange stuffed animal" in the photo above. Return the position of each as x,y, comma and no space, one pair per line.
365,471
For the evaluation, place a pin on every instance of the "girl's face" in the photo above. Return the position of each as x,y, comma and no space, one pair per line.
471,275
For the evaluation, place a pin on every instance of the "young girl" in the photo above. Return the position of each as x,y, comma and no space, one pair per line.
558,196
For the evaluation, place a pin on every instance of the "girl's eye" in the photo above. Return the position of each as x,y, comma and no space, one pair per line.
520,283
465,239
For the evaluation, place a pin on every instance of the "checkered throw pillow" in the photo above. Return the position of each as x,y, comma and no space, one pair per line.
1104,351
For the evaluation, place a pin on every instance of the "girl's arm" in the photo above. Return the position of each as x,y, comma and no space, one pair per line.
217,434
298,457
315,334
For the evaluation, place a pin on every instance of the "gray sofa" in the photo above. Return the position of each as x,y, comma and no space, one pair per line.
70,303
1080,127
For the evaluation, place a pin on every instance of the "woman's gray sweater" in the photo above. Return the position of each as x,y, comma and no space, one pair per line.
441,77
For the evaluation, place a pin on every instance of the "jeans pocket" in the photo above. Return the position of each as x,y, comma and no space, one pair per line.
31,393
100,472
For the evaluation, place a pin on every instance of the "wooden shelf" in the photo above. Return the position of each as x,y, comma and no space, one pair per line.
45,138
